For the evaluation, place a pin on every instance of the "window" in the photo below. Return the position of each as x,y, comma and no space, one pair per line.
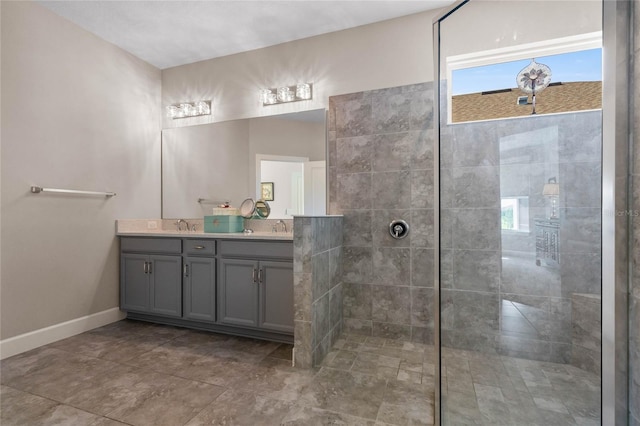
515,214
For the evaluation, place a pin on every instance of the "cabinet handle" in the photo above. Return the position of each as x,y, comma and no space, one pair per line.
199,247
260,275
186,270
253,275
146,267
149,269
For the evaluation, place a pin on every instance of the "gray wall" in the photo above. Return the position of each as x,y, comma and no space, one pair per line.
317,286
79,113
381,168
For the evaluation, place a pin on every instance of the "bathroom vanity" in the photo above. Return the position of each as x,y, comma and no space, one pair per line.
229,283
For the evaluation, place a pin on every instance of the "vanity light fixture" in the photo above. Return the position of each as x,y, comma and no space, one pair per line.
189,109
280,95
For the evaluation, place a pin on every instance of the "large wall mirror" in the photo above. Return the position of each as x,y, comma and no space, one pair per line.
280,158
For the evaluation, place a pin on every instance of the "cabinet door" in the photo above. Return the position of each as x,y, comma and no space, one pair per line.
276,296
238,292
166,285
134,283
200,289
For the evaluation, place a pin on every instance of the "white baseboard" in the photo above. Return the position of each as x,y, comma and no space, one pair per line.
44,336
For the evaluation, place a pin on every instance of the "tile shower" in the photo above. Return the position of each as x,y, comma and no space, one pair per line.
381,168
532,321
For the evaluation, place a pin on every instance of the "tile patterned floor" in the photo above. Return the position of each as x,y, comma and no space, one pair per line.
134,373
480,389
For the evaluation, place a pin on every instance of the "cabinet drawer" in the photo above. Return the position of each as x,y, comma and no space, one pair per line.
151,245
269,249
200,247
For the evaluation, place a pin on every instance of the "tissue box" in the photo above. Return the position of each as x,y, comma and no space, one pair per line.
223,223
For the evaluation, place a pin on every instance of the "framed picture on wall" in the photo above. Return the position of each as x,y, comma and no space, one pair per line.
267,191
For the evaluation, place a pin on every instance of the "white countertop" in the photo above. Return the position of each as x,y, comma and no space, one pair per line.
139,228
285,236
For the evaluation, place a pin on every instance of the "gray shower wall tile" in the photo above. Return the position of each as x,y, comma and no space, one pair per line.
469,311
336,301
353,117
421,115
332,191
391,189
521,275
302,296
320,278
423,231
358,326
321,232
581,138
519,347
393,151
534,143
422,312
357,301
475,145
476,187
357,264
389,304
303,336
519,241
354,191
335,266
357,228
391,112
391,331
580,273
514,180
422,189
481,341
422,267
477,270
336,229
391,266
580,185
580,230
446,268
321,319
477,229
422,335
302,244
332,159
423,157
353,155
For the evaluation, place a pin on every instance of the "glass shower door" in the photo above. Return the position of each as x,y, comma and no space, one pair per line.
520,216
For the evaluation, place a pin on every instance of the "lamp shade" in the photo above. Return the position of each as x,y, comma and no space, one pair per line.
551,189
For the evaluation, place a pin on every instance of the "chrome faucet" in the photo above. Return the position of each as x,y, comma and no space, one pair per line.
284,225
179,224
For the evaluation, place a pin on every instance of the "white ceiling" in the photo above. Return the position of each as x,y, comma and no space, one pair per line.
172,33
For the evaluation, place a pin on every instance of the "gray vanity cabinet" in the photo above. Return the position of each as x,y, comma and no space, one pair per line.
199,280
238,292
276,296
254,291
151,281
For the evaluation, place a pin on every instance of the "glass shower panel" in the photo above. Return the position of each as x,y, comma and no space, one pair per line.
520,222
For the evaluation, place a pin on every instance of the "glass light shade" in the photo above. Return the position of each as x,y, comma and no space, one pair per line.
264,95
172,111
303,91
285,94
202,108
